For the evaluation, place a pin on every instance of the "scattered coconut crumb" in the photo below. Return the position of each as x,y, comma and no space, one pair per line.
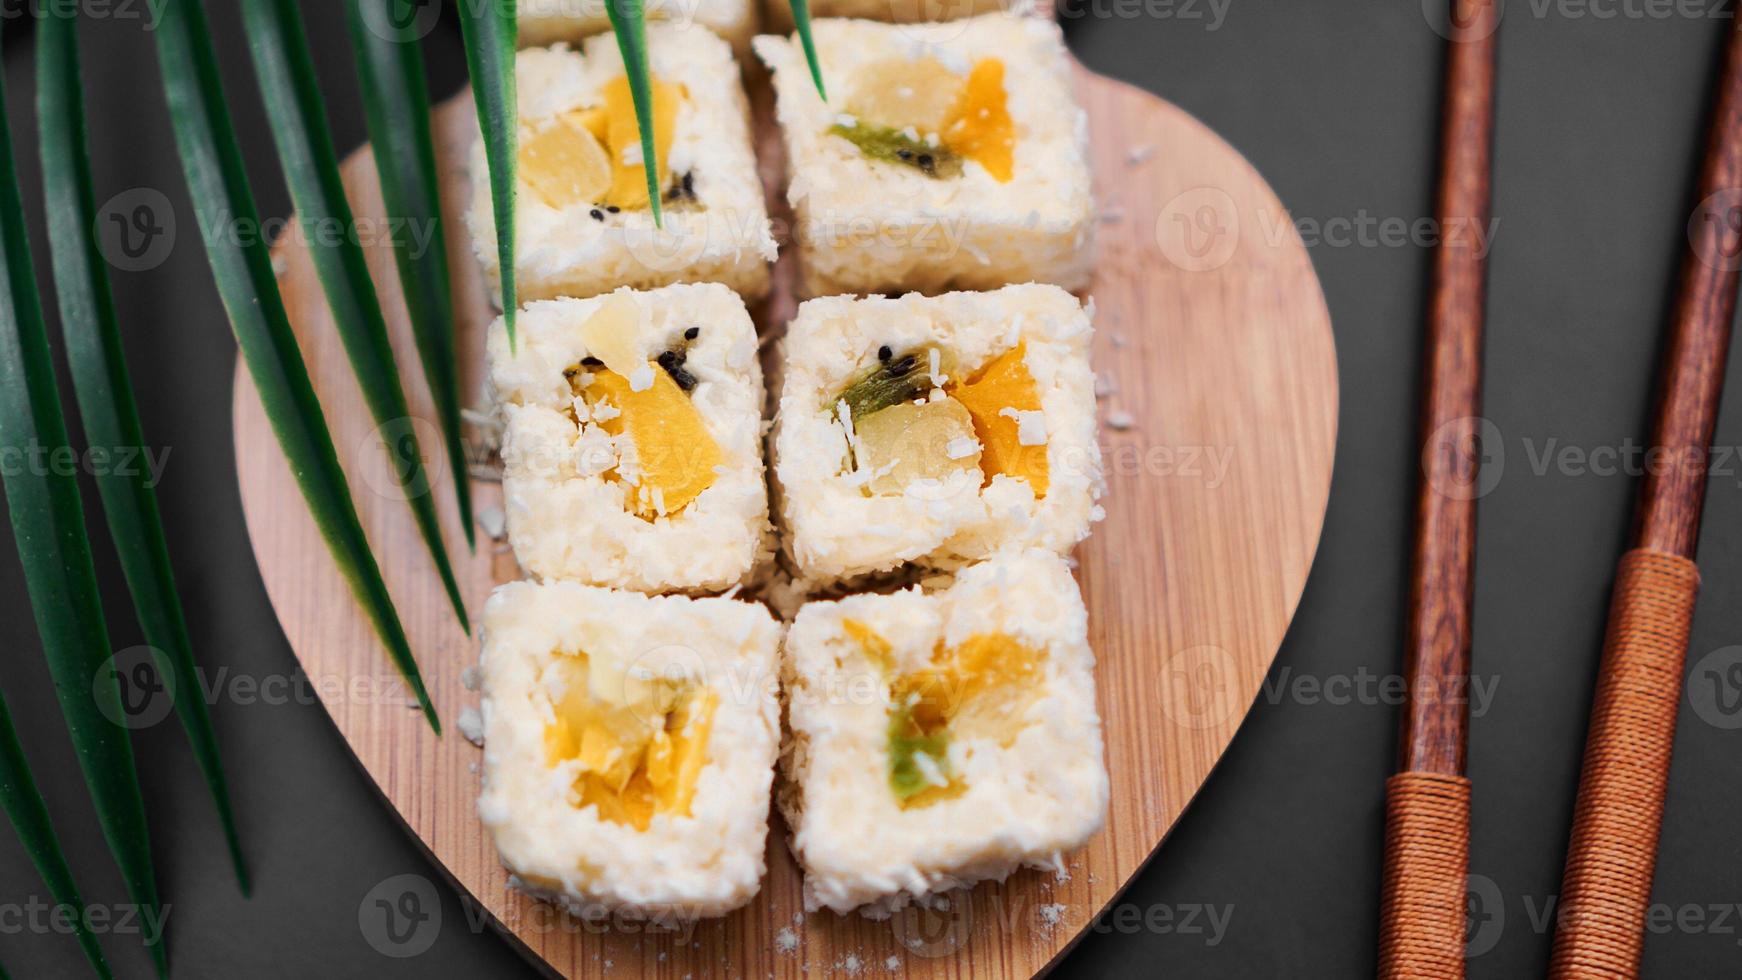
1030,426
1120,420
852,964
798,918
1104,386
1118,340
786,940
471,678
641,378
472,767
892,964
1137,155
1051,915
471,725
1111,216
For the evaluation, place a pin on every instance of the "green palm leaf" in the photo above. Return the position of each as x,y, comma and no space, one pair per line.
801,19
629,21
48,523
105,395
396,105
311,166
24,804
489,29
243,271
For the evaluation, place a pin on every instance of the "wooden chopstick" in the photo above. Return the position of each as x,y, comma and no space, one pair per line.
1421,933
1610,859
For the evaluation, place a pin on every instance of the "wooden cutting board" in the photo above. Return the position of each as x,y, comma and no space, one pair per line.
1218,433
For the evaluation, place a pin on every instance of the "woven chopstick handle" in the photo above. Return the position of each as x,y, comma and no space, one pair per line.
1427,858
1607,888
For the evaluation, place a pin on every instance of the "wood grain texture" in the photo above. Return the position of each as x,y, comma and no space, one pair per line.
1211,327
1612,854
1437,643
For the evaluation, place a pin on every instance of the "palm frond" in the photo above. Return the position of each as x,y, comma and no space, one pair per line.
629,21
801,19
242,269
28,811
285,69
48,525
105,395
488,28
396,105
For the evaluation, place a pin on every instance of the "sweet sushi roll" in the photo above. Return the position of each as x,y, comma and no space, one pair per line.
629,746
895,11
950,156
584,223
934,430
940,739
544,22
632,439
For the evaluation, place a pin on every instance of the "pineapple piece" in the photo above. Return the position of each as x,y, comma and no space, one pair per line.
980,127
641,744
564,163
1002,389
610,335
925,441
676,454
902,92
623,138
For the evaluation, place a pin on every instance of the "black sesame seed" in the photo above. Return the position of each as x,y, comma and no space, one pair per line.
592,362
904,154
689,185
692,333
673,363
613,208
884,353
904,365
597,214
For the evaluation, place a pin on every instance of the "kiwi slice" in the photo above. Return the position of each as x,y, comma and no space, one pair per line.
896,378
906,744
894,146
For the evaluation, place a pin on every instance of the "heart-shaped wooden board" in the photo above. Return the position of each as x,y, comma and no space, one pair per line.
1218,432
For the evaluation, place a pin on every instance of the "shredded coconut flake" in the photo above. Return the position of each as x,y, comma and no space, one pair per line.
961,447
1030,426
786,940
1120,420
471,725
641,378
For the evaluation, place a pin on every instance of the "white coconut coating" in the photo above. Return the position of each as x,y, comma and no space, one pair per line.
723,237
544,22
567,519
1027,803
897,11
703,864
867,226
835,531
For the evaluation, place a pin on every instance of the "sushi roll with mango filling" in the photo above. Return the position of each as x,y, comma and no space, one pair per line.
935,430
894,11
950,156
632,444
938,740
583,217
544,22
629,746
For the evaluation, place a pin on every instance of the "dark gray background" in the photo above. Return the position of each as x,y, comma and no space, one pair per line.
1601,108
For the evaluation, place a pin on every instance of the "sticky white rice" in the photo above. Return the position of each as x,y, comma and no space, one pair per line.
544,22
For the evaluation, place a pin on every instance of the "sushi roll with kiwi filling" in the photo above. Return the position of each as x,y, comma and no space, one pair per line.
934,431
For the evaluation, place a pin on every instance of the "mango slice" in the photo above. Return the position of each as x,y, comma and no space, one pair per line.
564,164
676,455
641,749
902,92
623,140
980,127
1005,384
908,442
